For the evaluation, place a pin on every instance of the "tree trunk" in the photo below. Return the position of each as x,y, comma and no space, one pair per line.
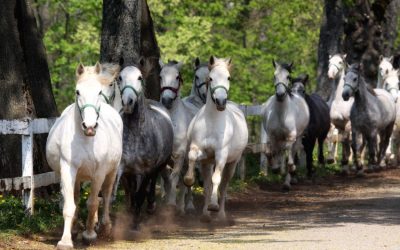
25,88
127,34
330,40
365,31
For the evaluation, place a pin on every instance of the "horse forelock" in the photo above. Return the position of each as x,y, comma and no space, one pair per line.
105,77
220,63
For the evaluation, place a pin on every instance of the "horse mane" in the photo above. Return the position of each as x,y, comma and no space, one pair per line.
287,66
303,78
109,72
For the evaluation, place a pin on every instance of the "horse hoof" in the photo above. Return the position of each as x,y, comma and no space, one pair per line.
64,246
285,188
105,230
330,161
205,218
213,207
151,208
89,238
74,234
188,181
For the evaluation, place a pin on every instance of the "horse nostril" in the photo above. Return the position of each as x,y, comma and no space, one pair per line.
130,101
84,125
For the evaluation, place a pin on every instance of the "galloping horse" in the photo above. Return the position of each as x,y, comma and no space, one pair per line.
217,136
319,124
391,84
373,113
181,113
86,144
147,140
285,119
198,94
340,109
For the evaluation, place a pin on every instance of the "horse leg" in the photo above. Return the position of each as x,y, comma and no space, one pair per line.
151,193
120,171
346,152
89,235
181,197
189,200
194,154
309,143
227,175
291,168
263,157
384,145
206,171
165,183
106,190
68,176
77,192
138,198
220,160
174,178
371,142
332,139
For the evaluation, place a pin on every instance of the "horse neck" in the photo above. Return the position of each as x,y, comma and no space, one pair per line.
138,116
117,103
361,96
379,81
340,84
282,107
176,104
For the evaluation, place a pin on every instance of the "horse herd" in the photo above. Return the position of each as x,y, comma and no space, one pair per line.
113,134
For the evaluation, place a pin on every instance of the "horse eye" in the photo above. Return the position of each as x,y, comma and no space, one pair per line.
110,85
140,78
77,92
340,62
177,78
120,78
355,79
229,78
210,79
197,78
100,92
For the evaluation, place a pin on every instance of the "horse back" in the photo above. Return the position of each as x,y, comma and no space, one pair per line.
319,114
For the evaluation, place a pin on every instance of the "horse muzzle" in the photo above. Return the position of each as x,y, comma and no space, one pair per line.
90,131
346,95
166,102
280,96
220,103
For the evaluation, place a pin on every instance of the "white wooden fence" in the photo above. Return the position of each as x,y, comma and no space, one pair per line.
28,182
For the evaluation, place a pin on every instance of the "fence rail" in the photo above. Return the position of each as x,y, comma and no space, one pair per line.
28,182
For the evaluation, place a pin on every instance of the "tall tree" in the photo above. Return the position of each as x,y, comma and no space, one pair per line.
364,30
25,88
127,34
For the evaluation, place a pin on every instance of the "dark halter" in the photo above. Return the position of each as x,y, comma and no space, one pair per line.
175,90
212,90
287,89
88,105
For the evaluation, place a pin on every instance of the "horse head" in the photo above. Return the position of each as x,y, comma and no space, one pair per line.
299,84
385,66
351,81
391,83
282,79
201,72
219,80
88,93
336,65
130,83
171,82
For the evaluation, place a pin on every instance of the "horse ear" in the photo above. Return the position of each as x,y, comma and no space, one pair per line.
380,58
228,61
97,68
160,62
211,61
142,62
121,61
344,56
179,65
274,63
306,78
391,59
80,69
290,66
197,62
330,56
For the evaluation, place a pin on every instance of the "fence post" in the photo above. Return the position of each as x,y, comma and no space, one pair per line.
27,169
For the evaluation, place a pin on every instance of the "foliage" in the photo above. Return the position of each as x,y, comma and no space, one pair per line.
47,215
252,32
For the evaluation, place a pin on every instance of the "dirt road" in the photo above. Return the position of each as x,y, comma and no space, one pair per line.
334,213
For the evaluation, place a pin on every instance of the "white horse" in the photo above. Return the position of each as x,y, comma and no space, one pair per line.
285,119
198,94
86,144
340,109
385,66
181,113
391,84
217,135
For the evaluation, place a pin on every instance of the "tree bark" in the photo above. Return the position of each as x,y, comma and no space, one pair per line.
25,88
128,34
367,30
